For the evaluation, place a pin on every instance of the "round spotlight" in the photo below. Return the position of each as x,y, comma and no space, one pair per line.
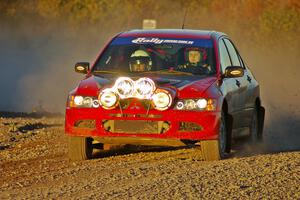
202,103
124,87
108,99
144,87
78,100
162,100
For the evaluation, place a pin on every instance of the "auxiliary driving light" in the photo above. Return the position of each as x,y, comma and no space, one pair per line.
124,87
162,100
108,99
144,88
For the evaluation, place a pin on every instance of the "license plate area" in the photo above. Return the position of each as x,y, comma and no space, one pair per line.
136,126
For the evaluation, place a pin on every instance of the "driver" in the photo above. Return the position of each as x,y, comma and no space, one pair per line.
140,61
194,61
194,57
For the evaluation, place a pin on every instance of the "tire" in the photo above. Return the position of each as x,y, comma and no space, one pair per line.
261,121
109,147
212,150
254,136
80,148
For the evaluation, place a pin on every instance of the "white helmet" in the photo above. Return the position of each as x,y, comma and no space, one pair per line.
140,61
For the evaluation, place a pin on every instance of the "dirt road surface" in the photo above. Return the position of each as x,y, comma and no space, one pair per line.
34,165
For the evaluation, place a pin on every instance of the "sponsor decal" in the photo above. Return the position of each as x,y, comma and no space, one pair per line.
160,41
156,40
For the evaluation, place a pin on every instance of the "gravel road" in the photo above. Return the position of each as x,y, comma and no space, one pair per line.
34,165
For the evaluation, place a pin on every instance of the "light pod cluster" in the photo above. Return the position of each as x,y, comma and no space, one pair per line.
143,88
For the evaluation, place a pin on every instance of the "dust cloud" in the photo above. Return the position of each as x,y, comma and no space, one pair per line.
37,62
278,73
37,56
37,69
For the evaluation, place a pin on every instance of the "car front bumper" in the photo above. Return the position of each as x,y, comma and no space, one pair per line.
177,125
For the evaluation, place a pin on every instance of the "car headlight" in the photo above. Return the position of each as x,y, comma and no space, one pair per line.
196,104
201,103
87,101
161,100
77,101
124,87
190,104
108,99
144,87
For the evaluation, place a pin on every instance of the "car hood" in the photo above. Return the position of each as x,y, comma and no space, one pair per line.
183,86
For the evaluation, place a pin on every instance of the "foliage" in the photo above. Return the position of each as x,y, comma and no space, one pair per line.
257,20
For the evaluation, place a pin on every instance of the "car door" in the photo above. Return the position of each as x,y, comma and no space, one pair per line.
252,87
241,116
228,86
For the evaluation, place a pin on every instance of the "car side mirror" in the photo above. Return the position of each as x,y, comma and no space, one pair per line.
234,72
82,67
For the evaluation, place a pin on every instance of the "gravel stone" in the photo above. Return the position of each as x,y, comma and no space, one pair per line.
34,165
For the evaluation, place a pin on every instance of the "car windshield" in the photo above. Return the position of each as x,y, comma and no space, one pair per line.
157,55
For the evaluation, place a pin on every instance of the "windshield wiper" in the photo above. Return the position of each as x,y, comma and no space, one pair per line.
170,71
163,71
105,72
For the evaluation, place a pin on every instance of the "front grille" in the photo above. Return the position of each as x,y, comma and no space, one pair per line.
136,126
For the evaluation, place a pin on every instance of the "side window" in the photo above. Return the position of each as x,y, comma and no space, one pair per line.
232,52
224,57
241,61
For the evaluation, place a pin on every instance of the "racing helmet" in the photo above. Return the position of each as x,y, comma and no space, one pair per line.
140,61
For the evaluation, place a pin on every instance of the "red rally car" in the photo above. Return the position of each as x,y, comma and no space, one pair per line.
164,88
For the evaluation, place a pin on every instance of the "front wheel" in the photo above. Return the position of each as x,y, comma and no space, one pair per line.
80,148
255,133
215,149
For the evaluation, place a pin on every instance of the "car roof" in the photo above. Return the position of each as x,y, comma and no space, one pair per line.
173,33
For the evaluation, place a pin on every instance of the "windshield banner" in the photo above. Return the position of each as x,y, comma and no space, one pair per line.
155,40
